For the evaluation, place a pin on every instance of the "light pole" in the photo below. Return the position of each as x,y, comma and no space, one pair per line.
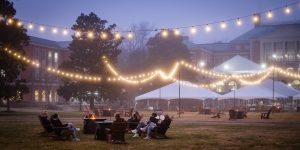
179,93
273,91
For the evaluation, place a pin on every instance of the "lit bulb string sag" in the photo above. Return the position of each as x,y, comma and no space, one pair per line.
163,75
223,24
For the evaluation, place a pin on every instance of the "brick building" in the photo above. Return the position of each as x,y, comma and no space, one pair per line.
42,85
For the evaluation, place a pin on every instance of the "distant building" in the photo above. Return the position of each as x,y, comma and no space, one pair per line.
278,43
42,85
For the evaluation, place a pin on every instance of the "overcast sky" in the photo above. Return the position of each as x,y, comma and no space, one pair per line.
159,13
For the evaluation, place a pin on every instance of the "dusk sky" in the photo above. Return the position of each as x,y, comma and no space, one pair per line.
159,13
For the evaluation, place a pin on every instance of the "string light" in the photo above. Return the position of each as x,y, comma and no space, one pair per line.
207,28
239,22
117,36
30,26
255,18
270,14
130,35
164,33
65,32
77,33
193,30
177,32
287,10
90,35
42,28
54,30
36,64
223,25
10,21
103,35
19,24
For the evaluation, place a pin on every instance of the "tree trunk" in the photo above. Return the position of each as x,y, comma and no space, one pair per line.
92,105
8,105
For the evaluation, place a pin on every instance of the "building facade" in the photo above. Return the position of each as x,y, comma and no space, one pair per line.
42,85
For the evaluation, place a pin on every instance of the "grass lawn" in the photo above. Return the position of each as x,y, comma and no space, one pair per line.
21,130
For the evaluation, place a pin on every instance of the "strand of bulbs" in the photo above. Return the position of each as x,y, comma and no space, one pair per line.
165,32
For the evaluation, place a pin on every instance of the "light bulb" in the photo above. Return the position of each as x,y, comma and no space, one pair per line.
42,28
177,32
239,22
19,24
65,32
207,28
270,14
255,18
287,10
54,30
77,33
130,35
117,35
193,30
103,35
30,26
223,25
90,35
164,33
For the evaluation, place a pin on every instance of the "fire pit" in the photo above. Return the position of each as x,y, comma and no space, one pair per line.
89,126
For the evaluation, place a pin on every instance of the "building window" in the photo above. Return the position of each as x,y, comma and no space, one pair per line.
55,57
50,95
50,59
36,95
43,96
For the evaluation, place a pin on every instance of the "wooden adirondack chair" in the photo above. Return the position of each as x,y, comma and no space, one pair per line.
116,133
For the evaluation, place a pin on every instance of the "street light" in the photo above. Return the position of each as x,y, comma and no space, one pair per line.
263,66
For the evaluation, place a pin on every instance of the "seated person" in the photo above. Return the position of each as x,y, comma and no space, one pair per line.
45,122
134,120
57,123
161,127
118,118
143,127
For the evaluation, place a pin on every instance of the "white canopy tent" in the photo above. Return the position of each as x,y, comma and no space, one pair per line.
280,87
171,91
238,64
252,92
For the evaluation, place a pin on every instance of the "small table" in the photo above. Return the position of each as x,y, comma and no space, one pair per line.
89,125
100,129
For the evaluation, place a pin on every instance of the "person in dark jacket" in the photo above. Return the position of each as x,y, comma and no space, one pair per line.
57,123
143,127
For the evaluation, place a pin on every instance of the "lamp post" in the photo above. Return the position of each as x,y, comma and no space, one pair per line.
179,93
274,56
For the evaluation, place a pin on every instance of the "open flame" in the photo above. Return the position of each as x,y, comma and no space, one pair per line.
93,117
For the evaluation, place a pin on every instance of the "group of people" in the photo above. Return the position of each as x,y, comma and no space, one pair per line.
55,121
134,122
148,126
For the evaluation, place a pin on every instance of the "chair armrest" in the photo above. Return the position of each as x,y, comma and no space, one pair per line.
60,127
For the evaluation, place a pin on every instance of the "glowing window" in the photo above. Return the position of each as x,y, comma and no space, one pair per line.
36,95
43,96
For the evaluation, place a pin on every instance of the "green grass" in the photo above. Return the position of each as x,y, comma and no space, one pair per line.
22,131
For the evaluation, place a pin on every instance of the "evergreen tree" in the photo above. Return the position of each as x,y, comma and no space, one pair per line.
12,36
85,57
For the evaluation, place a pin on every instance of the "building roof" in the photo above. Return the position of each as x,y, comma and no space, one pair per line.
212,47
238,64
49,43
271,31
